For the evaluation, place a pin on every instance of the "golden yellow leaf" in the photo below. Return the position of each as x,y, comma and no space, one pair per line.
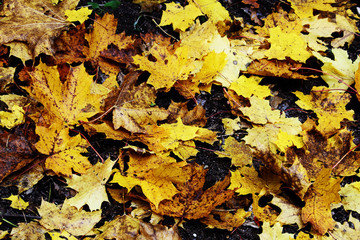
347,230
231,125
213,9
13,118
246,180
350,195
289,214
135,112
339,68
213,64
248,87
68,218
174,66
90,186
71,101
330,108
293,46
274,232
61,235
17,202
286,140
64,151
318,199
228,220
155,175
180,17
80,15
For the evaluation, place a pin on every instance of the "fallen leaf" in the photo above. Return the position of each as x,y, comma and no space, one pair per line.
192,202
31,231
96,177
64,152
273,232
68,218
330,108
72,101
127,227
180,17
80,15
34,22
226,219
318,199
17,202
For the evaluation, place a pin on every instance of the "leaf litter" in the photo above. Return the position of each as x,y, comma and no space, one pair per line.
197,133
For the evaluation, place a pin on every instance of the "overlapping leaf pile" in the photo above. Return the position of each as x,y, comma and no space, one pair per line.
63,92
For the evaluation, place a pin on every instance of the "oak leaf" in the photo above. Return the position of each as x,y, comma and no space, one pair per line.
68,218
318,199
96,177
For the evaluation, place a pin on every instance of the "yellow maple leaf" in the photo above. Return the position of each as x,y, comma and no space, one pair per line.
71,101
350,195
274,232
80,15
213,9
246,180
90,186
64,151
248,87
174,66
213,64
17,202
330,108
156,182
318,199
239,152
180,17
340,68
13,118
293,46
67,218
225,219
61,235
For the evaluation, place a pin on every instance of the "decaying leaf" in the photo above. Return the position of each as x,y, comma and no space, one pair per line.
33,22
192,202
68,218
